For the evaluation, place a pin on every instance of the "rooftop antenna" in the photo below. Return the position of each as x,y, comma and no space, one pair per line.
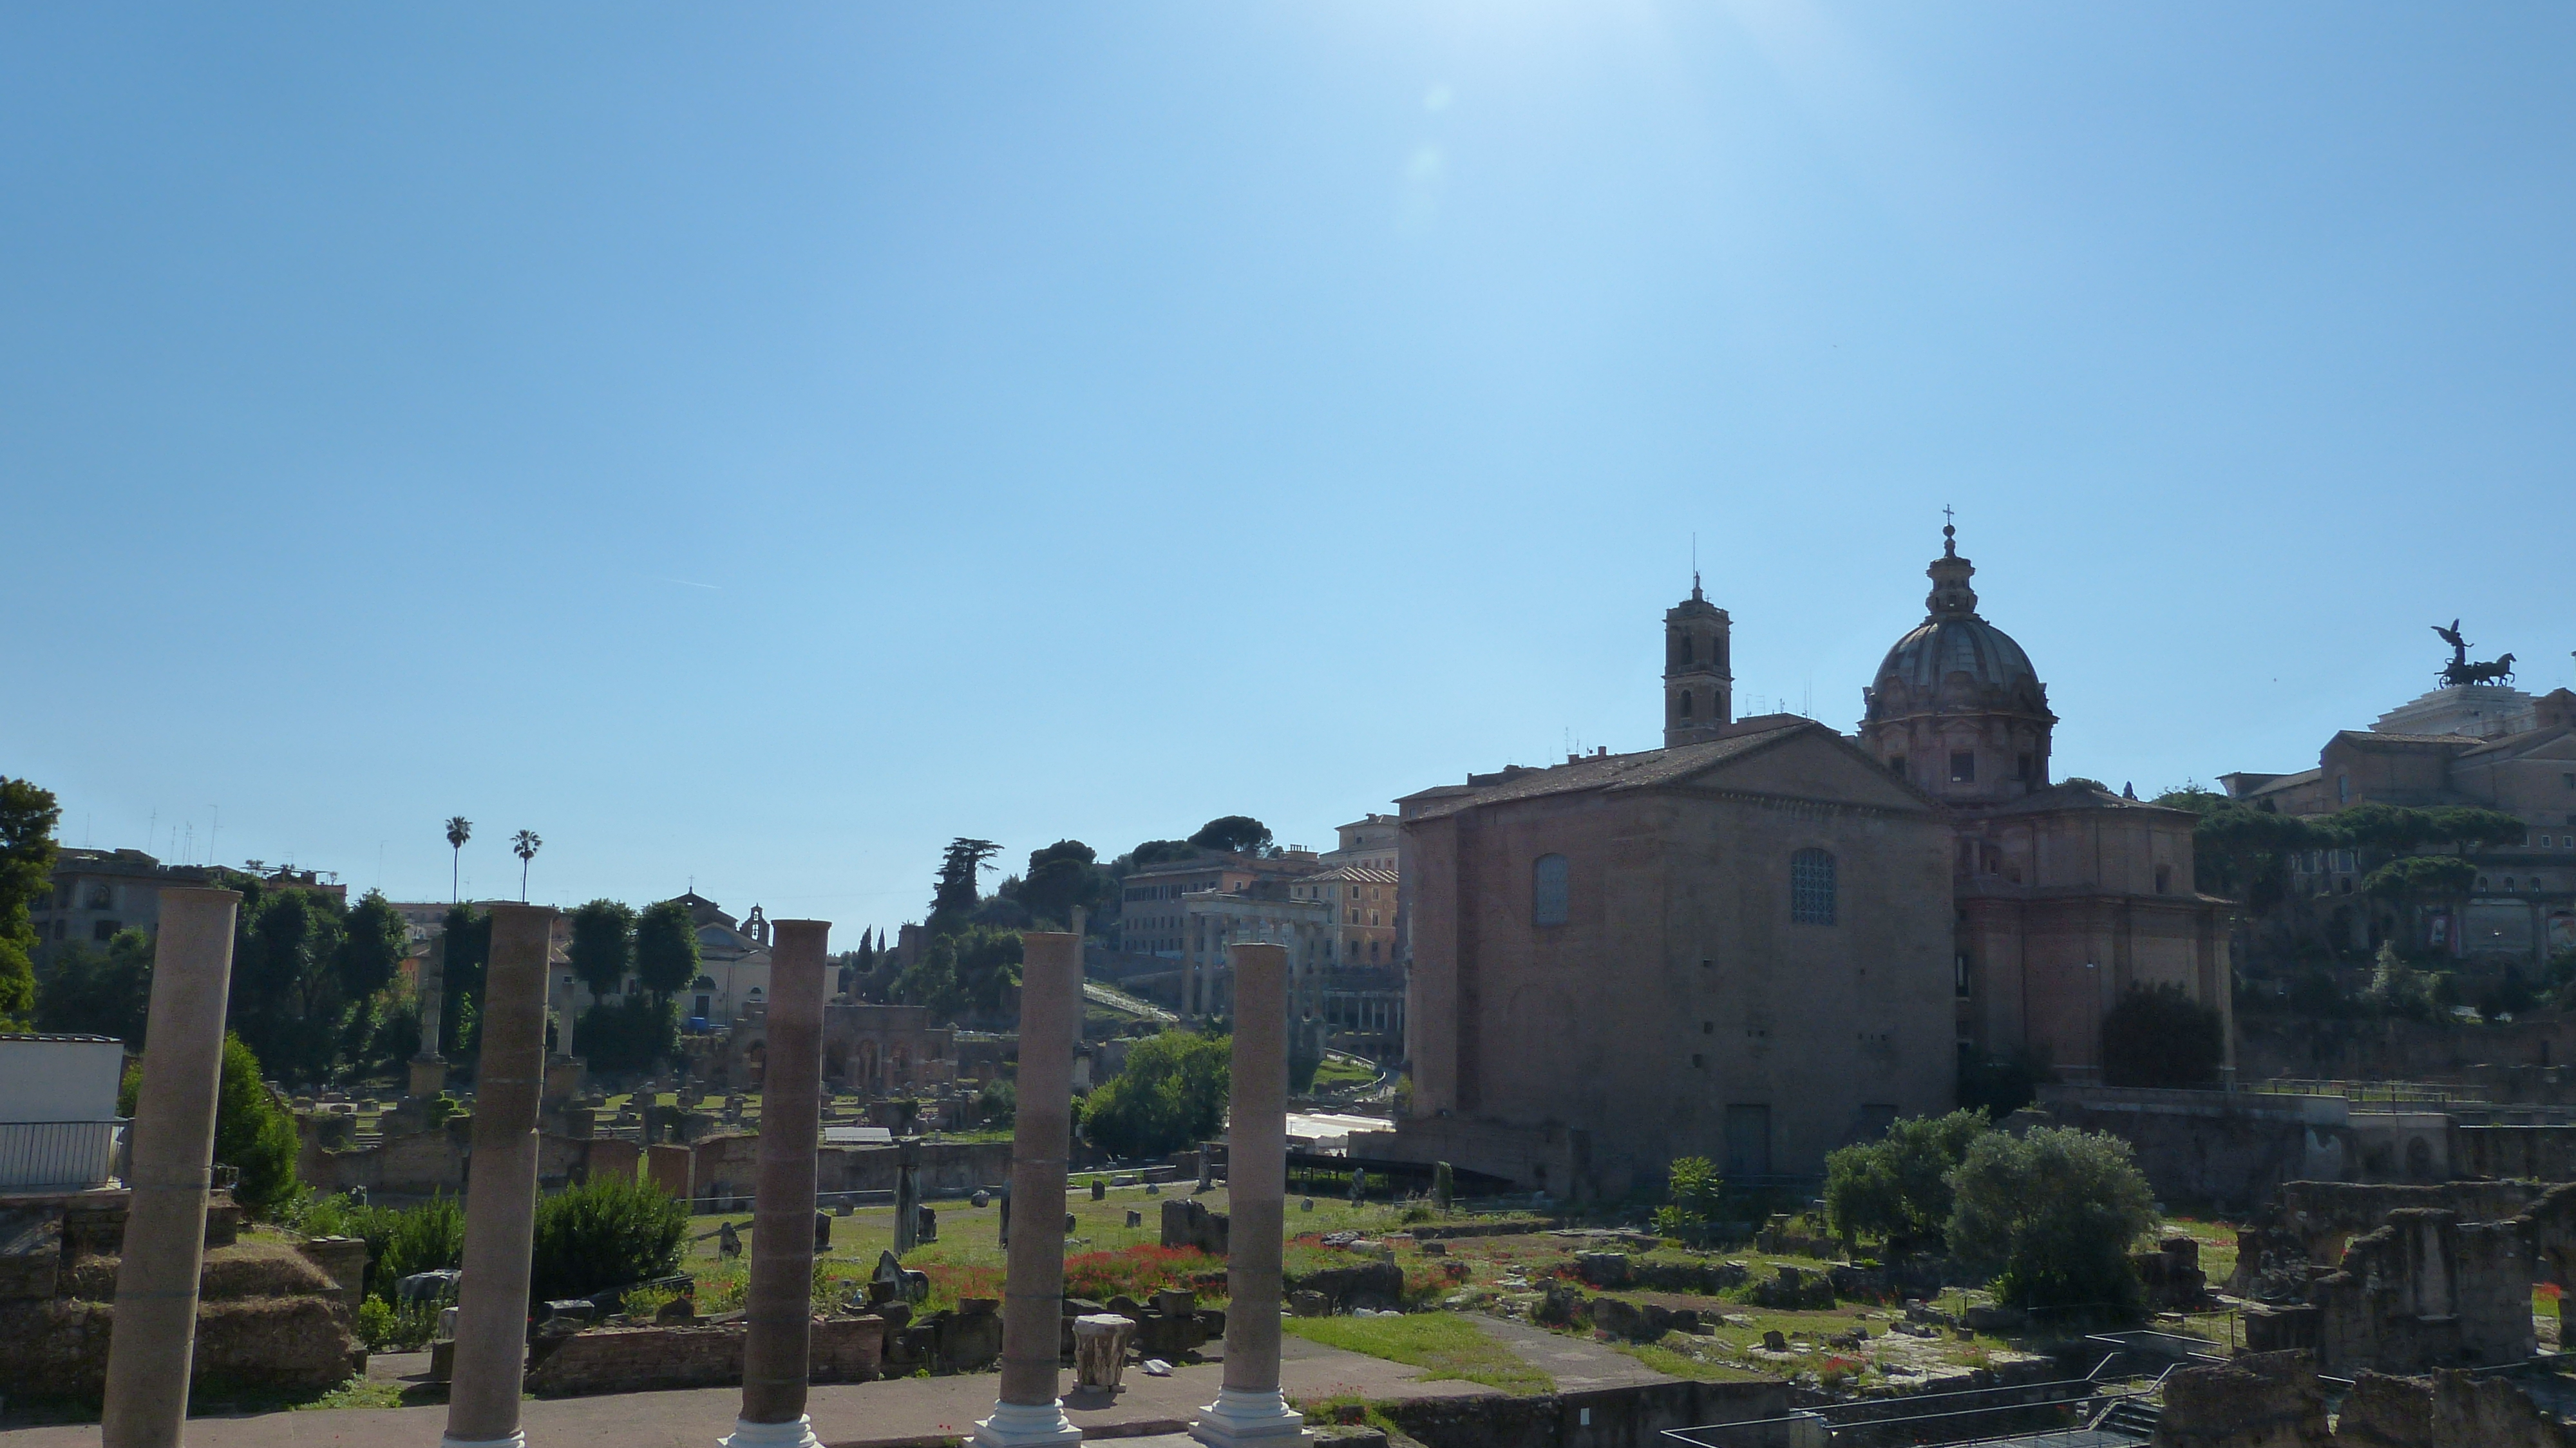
1694,565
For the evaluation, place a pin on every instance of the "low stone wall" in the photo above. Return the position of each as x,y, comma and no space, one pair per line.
650,1359
2260,1400
58,1348
2231,1149
1611,1418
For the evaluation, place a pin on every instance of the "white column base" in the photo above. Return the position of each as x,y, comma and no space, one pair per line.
1239,1419
515,1440
1020,1425
799,1434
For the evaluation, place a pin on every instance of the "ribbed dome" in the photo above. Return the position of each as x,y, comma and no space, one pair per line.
1955,662
1939,648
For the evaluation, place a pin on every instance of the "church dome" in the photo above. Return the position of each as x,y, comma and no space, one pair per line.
1954,662
1941,647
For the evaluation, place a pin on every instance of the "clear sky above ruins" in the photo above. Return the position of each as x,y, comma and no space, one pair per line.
757,443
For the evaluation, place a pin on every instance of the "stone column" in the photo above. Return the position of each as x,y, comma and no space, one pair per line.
428,1067
501,1192
778,1301
154,1335
1249,1408
1028,1411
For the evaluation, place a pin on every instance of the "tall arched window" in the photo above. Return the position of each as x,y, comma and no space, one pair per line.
1548,888
1686,704
1811,887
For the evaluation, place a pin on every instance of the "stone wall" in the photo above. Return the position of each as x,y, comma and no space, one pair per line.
1611,1418
2260,1400
2273,1400
2230,1149
2444,1410
652,1359
722,1168
2426,1290
2312,1221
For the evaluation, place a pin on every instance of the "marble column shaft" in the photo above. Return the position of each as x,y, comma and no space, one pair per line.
153,1339
1250,1409
1028,1411
501,1190
778,1305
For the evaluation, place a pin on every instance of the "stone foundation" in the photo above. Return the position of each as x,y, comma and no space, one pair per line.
650,1359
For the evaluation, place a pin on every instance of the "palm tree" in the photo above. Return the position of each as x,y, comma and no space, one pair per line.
524,844
459,830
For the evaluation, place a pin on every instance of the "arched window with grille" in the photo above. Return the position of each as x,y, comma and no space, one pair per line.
1812,887
1550,878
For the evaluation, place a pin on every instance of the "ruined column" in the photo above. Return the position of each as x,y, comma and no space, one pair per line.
1028,1411
154,1335
778,1300
501,1193
1249,1408
428,1067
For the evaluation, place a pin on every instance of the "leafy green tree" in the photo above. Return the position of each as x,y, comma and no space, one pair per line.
1236,834
954,897
1897,1188
374,941
2051,1214
666,949
2161,1037
2240,852
1062,877
633,1034
966,974
1171,1093
253,1134
287,1000
998,1104
467,943
95,992
27,851
603,946
2398,988
1157,852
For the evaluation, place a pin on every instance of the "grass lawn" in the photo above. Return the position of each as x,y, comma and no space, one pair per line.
1339,1071
1443,1344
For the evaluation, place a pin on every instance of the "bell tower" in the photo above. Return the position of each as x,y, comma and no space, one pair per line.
1699,692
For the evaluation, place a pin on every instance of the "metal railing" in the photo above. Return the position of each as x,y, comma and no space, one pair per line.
2401,1093
58,1156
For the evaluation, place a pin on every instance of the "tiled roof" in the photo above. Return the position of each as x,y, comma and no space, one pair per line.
1359,873
2287,781
1645,769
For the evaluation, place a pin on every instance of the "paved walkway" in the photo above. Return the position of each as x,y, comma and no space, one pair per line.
1578,1364
901,1411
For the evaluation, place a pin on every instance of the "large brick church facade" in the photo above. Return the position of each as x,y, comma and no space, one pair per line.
1768,939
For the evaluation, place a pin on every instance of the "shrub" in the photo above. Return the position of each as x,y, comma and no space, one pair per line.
384,1327
1692,1190
1896,1187
2161,1037
254,1135
400,1240
604,1233
2051,1214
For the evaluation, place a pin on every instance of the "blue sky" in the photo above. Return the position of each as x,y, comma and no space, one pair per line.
753,445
